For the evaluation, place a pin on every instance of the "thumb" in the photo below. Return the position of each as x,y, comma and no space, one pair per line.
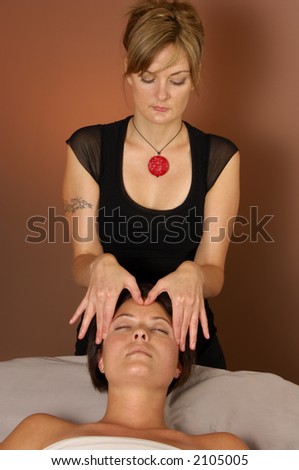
136,294
153,294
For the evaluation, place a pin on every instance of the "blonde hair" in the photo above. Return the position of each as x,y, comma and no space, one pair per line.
154,24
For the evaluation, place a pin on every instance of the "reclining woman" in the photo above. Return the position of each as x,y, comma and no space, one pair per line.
139,363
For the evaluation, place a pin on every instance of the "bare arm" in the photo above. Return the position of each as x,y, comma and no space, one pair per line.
221,206
92,268
81,196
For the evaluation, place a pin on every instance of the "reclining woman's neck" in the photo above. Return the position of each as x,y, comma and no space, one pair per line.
135,407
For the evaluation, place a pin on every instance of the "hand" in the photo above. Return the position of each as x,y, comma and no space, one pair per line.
107,280
185,289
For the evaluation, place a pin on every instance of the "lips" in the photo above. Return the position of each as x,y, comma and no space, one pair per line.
139,350
160,109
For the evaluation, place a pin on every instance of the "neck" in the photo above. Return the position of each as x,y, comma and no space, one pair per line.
135,408
157,133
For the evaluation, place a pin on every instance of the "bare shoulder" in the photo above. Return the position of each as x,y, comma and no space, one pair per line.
219,441
36,432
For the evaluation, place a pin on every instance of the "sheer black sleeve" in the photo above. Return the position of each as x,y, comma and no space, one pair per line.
86,145
221,151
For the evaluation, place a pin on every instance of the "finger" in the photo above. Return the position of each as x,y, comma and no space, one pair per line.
80,309
154,292
88,315
100,315
99,331
177,318
187,314
193,329
204,322
108,312
135,292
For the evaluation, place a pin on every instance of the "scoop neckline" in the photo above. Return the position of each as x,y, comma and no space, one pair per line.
120,171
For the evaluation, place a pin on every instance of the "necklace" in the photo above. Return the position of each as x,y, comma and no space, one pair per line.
157,165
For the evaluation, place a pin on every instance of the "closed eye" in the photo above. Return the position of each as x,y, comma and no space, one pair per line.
144,80
173,82
160,330
181,82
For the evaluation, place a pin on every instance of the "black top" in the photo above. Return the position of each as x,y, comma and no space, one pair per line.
148,243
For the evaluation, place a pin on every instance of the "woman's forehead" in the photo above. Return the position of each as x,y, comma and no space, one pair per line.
154,310
169,57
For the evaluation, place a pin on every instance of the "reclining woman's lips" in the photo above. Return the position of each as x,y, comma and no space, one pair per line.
139,350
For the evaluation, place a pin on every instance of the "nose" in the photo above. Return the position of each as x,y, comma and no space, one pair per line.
162,91
140,334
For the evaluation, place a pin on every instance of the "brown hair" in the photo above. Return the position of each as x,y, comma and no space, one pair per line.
154,24
99,380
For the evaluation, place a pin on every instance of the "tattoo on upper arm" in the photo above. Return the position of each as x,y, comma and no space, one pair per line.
75,204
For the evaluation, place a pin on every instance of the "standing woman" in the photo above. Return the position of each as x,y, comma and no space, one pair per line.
152,197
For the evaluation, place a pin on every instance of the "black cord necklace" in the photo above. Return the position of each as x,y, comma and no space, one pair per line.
158,165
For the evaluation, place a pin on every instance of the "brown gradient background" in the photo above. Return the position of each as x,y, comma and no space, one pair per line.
61,68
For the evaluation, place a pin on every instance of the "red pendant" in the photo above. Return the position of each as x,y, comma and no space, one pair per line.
158,165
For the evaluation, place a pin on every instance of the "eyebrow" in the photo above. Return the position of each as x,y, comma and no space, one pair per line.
129,315
171,75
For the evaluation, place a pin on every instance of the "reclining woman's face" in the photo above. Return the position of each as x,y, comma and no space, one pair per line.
140,344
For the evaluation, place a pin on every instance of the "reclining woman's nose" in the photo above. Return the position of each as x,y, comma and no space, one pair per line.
140,334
